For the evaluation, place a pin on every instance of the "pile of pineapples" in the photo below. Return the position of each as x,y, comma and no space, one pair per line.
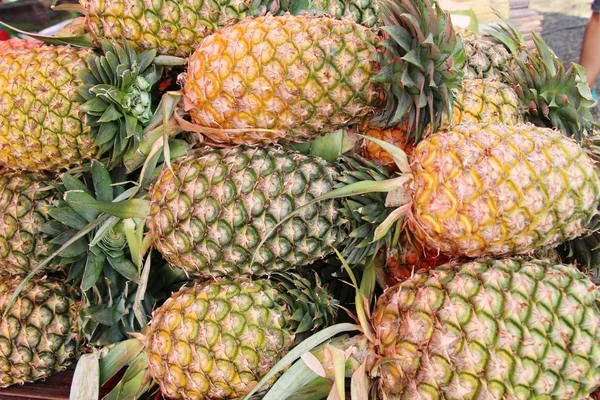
211,196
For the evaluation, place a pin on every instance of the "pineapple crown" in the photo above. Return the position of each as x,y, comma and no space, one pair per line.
116,97
365,212
105,256
313,306
553,96
421,64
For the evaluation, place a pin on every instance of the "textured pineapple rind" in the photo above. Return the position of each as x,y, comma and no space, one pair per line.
40,125
24,203
172,27
216,340
490,329
488,101
38,336
297,76
211,210
485,59
497,189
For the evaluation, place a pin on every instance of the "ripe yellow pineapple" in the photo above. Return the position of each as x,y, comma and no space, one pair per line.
498,189
40,122
289,78
171,27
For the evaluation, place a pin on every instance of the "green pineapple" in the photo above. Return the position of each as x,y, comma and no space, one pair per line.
211,210
490,329
38,333
24,203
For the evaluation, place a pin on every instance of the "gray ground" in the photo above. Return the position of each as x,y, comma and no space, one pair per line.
564,34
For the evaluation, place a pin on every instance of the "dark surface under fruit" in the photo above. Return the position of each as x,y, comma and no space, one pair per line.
58,387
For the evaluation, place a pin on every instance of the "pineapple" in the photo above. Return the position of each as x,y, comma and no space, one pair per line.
490,329
480,100
397,136
486,100
172,27
24,203
289,78
18,44
409,257
40,123
217,339
497,189
210,211
38,333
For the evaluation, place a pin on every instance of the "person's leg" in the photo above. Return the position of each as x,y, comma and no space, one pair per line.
590,47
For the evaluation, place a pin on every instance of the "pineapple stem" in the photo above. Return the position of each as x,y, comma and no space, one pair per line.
162,125
169,61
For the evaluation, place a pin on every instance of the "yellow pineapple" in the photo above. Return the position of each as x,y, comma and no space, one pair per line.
40,121
489,190
290,78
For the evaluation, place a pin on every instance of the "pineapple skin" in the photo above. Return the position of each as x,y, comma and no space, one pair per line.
216,340
38,336
490,190
364,12
490,329
40,126
171,27
209,213
297,76
485,59
24,202
486,101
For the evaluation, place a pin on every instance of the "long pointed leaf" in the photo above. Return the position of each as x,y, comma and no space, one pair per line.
86,379
118,357
303,347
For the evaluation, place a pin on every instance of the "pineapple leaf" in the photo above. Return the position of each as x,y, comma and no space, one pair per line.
140,294
89,214
306,345
360,383
132,208
117,357
125,267
86,379
72,183
297,377
102,182
68,217
77,41
134,383
93,269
